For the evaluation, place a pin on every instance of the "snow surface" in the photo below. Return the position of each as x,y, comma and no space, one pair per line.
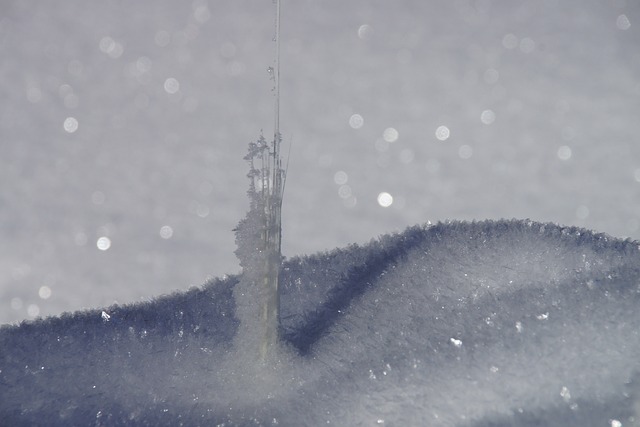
160,172
457,324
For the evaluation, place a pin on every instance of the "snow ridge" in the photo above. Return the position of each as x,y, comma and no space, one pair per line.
464,324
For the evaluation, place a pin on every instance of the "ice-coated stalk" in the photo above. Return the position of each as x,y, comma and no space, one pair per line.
259,236
273,214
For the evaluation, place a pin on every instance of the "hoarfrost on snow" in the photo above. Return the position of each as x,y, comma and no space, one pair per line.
374,330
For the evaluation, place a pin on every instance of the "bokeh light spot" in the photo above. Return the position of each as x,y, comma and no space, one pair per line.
564,152
44,292
70,124
350,202
527,45
442,133
344,191
385,199
202,13
381,145
33,310
202,211
623,23
356,121
488,117
171,85
111,47
491,76
390,135
103,243
166,232
143,64
510,41
365,32
340,177
465,152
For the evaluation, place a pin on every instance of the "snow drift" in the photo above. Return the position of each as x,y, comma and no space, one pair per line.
455,324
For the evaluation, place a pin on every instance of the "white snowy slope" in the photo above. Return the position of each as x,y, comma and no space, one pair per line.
494,323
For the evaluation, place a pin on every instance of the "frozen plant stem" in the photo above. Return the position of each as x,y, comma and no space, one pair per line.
273,214
259,235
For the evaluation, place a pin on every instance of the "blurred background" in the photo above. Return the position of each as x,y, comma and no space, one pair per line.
123,126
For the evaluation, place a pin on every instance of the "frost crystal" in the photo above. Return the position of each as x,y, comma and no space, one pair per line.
258,236
258,248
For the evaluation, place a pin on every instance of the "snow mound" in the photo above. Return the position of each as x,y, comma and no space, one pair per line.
455,324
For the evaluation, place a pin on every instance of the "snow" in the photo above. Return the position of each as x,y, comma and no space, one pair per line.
384,331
